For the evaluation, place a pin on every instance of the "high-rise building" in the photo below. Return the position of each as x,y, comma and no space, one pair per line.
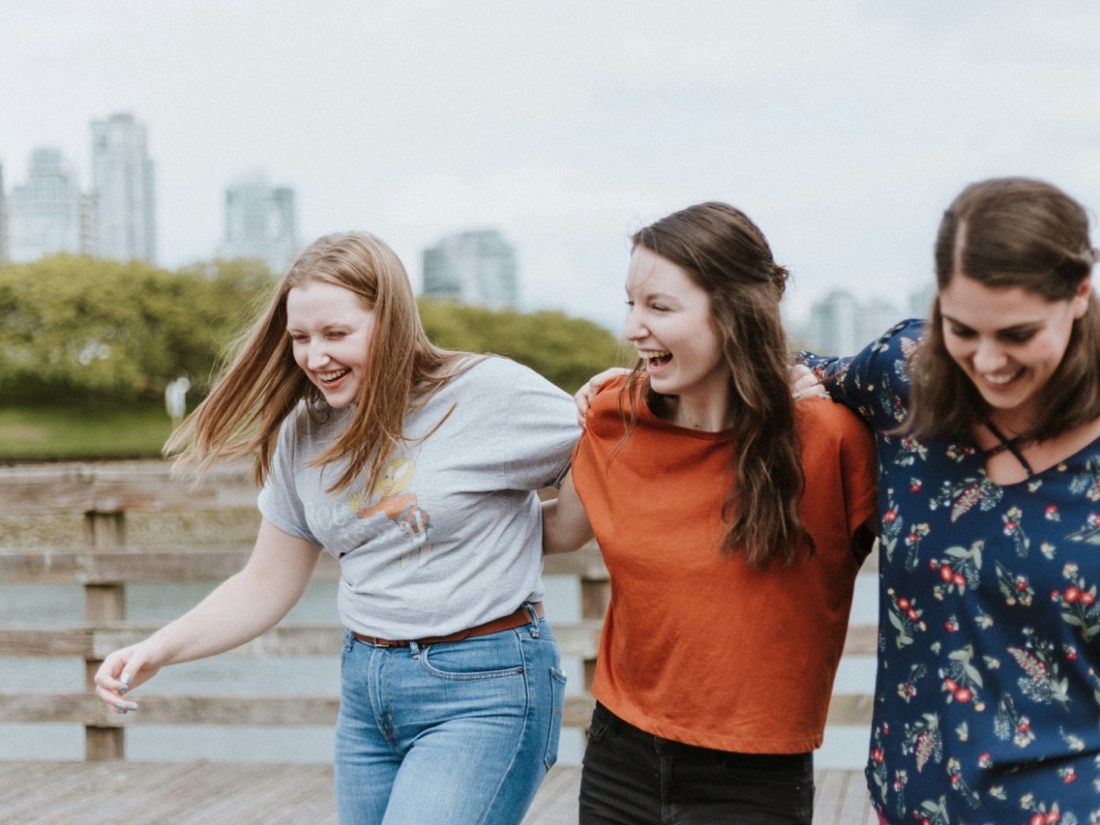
834,325
473,267
260,222
122,179
44,214
841,325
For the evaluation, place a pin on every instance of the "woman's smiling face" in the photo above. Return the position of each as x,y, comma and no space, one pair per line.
671,325
330,330
1008,341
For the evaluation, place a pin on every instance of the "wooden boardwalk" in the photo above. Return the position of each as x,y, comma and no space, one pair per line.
210,793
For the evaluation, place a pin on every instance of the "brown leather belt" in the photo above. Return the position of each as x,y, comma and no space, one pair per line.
521,617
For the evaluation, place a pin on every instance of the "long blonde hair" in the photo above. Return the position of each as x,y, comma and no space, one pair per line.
262,383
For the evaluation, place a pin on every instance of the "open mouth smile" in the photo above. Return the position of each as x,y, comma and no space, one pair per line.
332,377
655,358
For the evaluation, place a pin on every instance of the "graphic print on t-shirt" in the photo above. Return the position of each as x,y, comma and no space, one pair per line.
400,506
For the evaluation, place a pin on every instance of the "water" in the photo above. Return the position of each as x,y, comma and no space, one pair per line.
298,675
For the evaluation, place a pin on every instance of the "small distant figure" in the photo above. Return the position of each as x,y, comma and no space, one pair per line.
175,399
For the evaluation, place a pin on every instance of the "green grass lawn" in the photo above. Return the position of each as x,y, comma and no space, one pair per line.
58,433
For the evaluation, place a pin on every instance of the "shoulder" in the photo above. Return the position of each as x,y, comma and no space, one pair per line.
822,421
496,370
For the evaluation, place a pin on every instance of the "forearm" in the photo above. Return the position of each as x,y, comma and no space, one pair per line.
245,605
240,609
565,525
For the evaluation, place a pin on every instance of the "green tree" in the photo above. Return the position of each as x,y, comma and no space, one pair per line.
79,328
567,351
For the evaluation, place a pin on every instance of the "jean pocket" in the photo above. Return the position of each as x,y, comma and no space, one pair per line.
600,724
495,656
557,712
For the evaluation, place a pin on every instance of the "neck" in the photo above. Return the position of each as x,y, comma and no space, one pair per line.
1011,422
710,415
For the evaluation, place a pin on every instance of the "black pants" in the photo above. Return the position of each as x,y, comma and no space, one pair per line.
631,777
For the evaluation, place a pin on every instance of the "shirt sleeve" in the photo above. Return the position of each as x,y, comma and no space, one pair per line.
875,383
279,501
542,430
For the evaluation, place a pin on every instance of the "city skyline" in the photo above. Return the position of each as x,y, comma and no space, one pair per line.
842,128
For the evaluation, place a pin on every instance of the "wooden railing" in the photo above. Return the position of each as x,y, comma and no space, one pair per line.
110,500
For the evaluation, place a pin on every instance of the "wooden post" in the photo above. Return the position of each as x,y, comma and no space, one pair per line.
595,596
103,603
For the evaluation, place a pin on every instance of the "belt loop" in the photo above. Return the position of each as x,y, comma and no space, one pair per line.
534,619
414,649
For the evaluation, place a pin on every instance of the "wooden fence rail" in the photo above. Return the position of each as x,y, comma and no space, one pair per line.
107,498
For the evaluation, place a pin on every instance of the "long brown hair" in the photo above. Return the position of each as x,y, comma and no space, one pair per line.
262,383
1010,232
725,253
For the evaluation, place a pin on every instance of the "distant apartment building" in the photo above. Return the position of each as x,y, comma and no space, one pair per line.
46,215
474,268
123,224
841,325
260,222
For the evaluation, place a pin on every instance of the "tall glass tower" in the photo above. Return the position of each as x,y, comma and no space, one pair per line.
122,180
44,214
260,222
473,267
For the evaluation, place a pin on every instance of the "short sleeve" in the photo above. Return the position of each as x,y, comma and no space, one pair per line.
279,501
542,430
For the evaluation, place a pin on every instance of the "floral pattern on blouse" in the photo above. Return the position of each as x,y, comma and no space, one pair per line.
987,697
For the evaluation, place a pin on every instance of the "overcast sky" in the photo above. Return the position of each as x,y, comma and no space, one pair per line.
843,128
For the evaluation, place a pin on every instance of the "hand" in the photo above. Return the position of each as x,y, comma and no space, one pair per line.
586,393
804,384
122,671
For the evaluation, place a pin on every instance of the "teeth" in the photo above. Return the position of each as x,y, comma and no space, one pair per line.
650,354
1001,379
329,377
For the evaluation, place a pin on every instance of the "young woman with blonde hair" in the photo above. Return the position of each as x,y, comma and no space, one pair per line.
416,468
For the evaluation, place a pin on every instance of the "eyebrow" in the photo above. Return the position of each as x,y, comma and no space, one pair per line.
1024,326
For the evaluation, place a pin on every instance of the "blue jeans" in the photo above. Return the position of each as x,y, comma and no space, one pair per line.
631,777
460,733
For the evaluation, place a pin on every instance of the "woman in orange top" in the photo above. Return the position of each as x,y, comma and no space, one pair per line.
732,522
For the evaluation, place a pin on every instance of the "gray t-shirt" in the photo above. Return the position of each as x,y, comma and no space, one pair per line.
451,535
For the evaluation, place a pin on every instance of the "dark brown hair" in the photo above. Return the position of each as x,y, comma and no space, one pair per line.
1010,232
725,253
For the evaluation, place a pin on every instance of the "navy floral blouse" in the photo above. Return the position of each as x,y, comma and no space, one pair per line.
987,698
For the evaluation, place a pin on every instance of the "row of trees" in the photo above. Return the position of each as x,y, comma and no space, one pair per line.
77,329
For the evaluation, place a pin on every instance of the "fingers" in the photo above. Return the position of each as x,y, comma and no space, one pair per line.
804,384
585,394
114,678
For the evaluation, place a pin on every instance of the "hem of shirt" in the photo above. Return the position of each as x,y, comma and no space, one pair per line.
730,744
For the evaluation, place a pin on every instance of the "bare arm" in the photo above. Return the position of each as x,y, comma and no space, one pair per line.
244,606
565,526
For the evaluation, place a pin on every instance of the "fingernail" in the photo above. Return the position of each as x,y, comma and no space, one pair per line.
125,678
121,707
123,688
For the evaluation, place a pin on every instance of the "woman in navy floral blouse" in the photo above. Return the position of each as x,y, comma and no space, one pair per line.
987,702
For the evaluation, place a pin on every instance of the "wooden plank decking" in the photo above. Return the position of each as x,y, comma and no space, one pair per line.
209,793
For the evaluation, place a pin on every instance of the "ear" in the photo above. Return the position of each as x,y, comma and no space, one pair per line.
1081,298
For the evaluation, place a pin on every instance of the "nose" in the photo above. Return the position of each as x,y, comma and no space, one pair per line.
316,357
634,329
989,356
